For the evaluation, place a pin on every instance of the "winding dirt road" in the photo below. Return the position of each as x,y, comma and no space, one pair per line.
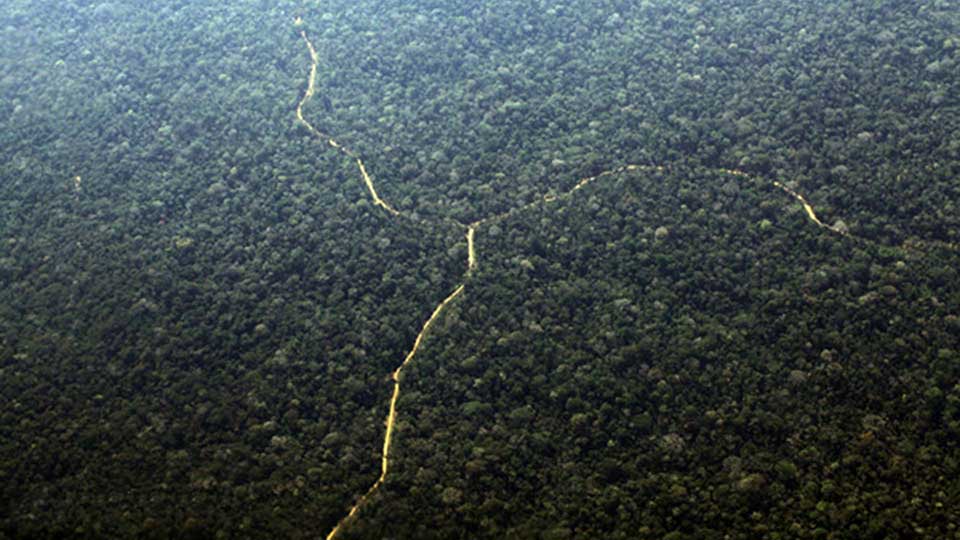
472,257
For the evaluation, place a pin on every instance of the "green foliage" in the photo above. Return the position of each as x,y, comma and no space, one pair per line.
196,338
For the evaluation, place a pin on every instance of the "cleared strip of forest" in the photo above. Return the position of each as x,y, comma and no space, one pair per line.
473,260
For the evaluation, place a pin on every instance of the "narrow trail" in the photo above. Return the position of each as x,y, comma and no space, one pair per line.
473,260
803,202
392,414
311,88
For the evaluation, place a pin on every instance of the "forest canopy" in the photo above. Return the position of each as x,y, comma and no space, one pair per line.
201,305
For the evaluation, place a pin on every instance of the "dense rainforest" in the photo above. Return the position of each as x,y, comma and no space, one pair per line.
201,306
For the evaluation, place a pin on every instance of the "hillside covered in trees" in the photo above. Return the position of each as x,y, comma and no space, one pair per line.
201,305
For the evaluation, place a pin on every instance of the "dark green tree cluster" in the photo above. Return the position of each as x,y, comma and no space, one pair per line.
682,355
